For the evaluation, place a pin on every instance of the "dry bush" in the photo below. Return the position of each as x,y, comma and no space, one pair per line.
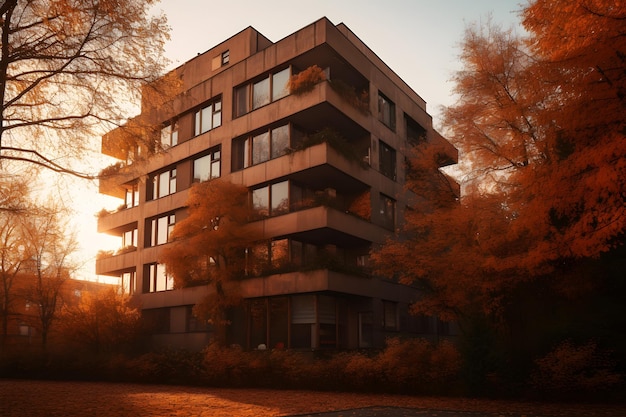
305,80
571,369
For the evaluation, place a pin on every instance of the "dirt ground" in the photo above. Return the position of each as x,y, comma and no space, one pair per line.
20,398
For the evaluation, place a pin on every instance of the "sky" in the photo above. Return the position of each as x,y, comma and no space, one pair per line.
417,39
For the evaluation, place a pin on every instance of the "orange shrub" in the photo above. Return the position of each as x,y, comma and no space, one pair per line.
305,80
571,368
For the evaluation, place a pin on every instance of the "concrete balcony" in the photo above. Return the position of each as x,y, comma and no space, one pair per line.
325,280
180,297
323,225
111,222
113,265
319,166
288,284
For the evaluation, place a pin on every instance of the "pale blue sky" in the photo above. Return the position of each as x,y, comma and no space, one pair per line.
418,39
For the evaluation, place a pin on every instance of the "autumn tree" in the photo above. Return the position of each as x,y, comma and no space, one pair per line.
71,69
540,128
48,268
102,321
543,166
14,206
210,247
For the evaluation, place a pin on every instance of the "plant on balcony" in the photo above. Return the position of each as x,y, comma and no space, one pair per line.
126,249
360,101
335,140
104,254
209,246
361,206
102,213
305,80
111,170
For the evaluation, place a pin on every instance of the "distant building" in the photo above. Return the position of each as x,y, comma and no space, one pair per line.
24,322
238,119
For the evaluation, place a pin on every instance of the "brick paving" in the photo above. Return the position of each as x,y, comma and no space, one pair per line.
21,398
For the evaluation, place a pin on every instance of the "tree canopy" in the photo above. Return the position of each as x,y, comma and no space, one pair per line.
540,128
69,71
210,246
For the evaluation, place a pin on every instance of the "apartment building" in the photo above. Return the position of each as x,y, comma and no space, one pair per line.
324,165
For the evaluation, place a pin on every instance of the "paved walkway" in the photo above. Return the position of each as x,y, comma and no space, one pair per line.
19,398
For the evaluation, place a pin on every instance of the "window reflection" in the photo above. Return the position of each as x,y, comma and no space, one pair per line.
260,148
261,93
280,198
280,140
207,167
260,201
280,81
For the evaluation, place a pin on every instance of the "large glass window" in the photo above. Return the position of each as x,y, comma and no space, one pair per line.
415,133
156,278
280,141
241,100
282,252
279,253
390,315
260,93
327,316
279,322
129,282
208,117
260,148
251,96
132,195
208,166
386,111
194,324
129,238
388,211
299,321
169,135
260,201
387,160
162,184
157,320
280,83
271,200
160,229
258,322
302,321
280,198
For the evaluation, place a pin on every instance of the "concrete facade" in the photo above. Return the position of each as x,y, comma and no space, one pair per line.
236,118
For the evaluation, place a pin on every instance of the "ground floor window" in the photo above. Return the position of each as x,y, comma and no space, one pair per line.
307,321
157,319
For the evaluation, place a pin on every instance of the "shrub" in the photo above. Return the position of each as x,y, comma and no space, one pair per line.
305,80
111,170
334,140
363,372
572,369
167,366
359,101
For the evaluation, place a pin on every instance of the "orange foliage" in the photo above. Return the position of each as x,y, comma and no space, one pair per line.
210,245
539,123
103,321
305,80
361,206
576,369
68,67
